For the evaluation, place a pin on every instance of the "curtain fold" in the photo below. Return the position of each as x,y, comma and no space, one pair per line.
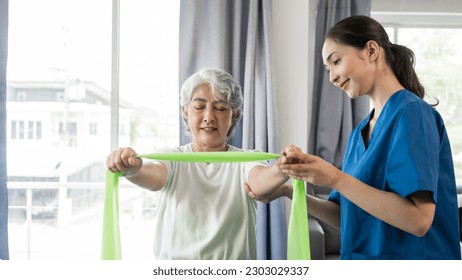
334,114
235,35
213,34
4,254
260,124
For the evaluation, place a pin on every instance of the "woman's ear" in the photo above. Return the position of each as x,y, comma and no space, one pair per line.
184,110
373,50
237,114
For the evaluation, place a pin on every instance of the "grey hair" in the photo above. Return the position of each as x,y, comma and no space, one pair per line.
223,86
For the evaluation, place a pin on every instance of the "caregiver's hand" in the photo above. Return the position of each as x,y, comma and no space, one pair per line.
123,160
309,168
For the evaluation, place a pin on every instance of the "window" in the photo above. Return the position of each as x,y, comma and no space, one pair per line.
433,39
60,96
72,133
30,130
33,130
21,96
21,130
93,128
59,92
38,130
13,130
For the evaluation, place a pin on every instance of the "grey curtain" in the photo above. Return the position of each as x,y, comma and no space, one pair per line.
3,190
334,114
235,35
213,34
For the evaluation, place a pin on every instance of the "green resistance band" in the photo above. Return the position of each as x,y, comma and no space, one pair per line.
111,249
298,239
212,156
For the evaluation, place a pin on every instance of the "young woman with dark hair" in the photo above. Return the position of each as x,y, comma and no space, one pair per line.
395,197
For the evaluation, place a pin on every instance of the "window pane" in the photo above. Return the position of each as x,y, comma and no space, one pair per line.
38,126
13,130
58,117
58,81
149,112
58,76
438,64
30,130
21,129
149,74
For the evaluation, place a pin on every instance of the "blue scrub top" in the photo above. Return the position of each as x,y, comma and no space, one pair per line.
408,151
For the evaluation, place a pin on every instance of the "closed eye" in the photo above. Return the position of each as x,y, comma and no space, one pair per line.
221,109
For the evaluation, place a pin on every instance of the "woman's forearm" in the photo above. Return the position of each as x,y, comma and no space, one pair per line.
266,179
150,176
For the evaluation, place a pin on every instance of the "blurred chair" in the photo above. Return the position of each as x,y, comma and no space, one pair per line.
324,238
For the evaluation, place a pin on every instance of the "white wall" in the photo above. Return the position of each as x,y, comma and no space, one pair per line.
293,48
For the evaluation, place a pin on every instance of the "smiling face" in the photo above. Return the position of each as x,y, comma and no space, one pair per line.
349,69
209,119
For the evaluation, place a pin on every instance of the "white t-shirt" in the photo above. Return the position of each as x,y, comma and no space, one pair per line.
204,211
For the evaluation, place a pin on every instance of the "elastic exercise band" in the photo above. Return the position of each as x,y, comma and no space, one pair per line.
212,156
111,249
298,237
298,247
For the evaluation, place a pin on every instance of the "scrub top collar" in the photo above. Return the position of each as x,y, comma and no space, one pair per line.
380,119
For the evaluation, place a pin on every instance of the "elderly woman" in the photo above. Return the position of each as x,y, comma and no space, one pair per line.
204,211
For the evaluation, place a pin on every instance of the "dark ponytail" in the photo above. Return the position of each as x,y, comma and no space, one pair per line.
402,61
356,31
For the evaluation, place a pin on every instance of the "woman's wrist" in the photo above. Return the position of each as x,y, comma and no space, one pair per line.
288,191
132,171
